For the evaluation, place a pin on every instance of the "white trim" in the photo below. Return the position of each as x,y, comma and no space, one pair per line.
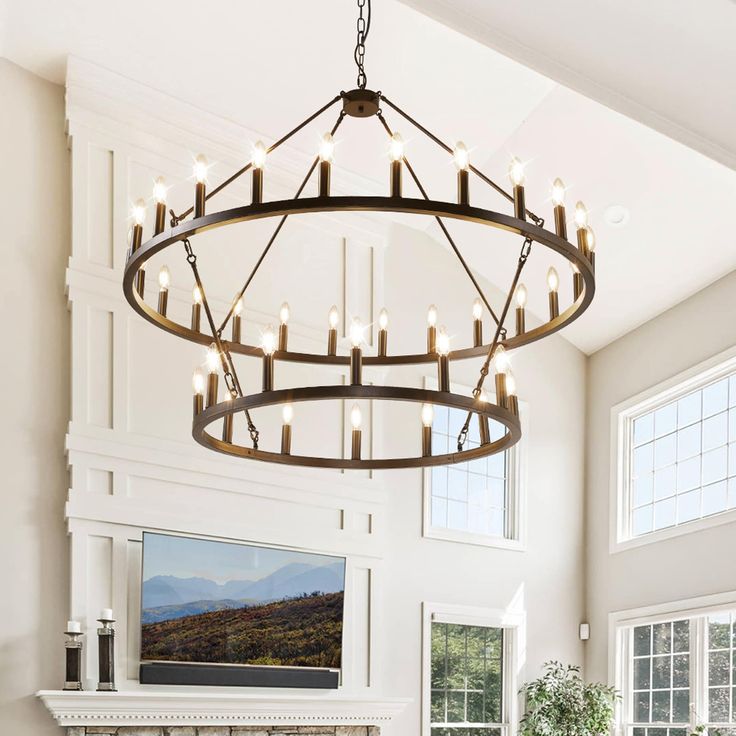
516,511
621,623
511,619
622,415
70,708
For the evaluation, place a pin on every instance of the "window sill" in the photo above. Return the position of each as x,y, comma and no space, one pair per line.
697,525
481,540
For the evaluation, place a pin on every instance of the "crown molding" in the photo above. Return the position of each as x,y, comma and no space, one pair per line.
71,708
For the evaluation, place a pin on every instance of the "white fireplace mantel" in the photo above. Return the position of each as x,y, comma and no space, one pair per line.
140,708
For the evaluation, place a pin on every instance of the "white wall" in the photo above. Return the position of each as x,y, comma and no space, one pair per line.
34,193
694,564
547,576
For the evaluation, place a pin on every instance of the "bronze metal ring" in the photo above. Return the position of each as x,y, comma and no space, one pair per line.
390,393
360,203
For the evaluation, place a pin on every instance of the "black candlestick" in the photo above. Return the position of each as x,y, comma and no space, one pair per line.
73,645
106,650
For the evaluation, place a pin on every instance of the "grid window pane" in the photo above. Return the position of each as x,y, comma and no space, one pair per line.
470,496
721,667
661,673
683,459
467,680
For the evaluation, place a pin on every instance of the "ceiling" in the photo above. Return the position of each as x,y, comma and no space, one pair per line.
244,62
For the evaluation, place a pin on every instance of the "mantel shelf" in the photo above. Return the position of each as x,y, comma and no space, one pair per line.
138,708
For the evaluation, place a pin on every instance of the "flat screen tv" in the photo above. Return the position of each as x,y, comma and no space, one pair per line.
239,606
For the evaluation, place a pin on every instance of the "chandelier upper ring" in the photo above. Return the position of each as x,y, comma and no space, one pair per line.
488,410
406,205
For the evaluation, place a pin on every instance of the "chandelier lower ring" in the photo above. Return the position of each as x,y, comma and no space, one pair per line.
388,393
406,205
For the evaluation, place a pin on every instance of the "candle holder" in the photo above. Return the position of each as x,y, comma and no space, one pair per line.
431,339
577,285
200,191
484,430
196,316
560,222
160,222
463,187
198,403
396,167
501,395
356,443
324,178
283,336
554,305
332,341
267,372
356,366
382,342
137,237
236,328
227,428
106,655
519,202
140,282
163,301
73,647
286,439
477,332
520,320
257,185
426,440
443,373
212,381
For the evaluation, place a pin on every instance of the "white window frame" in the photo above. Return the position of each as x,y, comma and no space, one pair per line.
512,620
620,661
516,511
622,417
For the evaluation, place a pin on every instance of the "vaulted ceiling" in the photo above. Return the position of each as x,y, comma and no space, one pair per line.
490,73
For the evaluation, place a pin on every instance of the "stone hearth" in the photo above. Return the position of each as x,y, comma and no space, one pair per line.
224,731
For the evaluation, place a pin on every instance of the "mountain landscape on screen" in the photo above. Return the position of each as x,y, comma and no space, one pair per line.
218,602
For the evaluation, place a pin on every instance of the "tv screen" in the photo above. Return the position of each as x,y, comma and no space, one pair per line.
227,603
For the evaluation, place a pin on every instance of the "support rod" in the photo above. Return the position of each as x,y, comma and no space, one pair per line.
272,147
443,227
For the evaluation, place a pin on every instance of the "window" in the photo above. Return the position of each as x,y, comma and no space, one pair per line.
467,680
677,456
470,666
677,674
475,501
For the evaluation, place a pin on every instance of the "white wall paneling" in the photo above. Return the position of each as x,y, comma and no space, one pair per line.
134,464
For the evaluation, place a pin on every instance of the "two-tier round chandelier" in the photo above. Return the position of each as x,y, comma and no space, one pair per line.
213,418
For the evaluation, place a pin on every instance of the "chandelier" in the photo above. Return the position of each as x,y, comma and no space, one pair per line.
213,418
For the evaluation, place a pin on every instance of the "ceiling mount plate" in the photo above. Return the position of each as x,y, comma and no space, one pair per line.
360,103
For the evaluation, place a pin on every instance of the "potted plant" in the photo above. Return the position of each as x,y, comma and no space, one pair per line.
560,703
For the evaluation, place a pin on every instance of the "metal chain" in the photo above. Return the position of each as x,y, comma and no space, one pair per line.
363,26
226,360
500,335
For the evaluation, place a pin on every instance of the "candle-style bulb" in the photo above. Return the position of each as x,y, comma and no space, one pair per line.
396,147
356,417
427,415
333,317
501,360
516,172
581,216
198,382
139,212
432,316
197,295
443,342
461,157
238,306
553,280
213,358
200,169
383,319
159,190
477,309
521,296
268,341
287,413
284,313
558,192
590,238
258,155
356,332
164,277
326,148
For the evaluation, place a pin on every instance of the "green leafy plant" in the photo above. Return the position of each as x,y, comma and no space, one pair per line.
560,703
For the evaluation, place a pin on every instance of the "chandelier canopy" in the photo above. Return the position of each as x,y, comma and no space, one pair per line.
224,339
